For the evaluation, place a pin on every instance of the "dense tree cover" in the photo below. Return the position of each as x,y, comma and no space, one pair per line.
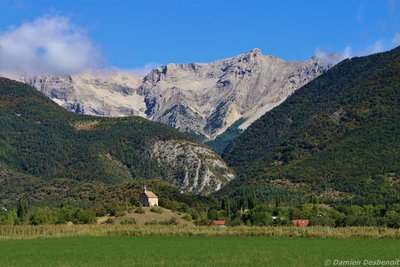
223,140
242,210
24,193
55,160
40,216
248,211
61,201
38,137
338,137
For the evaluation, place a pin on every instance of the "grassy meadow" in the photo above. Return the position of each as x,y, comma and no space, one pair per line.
191,251
158,245
127,245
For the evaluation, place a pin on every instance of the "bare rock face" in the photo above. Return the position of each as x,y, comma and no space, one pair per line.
199,169
105,93
208,98
200,98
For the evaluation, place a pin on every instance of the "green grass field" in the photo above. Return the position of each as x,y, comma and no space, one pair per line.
192,251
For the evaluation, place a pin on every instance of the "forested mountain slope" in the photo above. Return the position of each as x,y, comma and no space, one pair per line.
17,187
338,137
39,138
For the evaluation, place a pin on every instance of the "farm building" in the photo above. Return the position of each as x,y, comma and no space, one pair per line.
301,223
148,198
220,223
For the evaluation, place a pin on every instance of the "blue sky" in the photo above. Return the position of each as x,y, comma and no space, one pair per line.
131,34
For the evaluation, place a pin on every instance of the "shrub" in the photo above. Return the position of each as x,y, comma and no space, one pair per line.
116,210
100,212
8,217
130,209
194,214
171,221
22,211
81,216
259,216
187,217
128,221
237,221
43,216
202,221
140,210
393,220
109,221
65,215
215,215
119,213
156,210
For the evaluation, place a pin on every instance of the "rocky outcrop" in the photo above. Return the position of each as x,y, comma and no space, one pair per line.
208,98
102,93
195,168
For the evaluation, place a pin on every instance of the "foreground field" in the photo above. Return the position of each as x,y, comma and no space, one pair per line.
192,251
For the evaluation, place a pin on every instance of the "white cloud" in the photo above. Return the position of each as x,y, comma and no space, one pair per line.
376,47
139,71
333,58
396,39
47,45
142,71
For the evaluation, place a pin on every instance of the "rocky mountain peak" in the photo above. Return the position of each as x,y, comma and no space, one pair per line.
249,57
202,98
255,52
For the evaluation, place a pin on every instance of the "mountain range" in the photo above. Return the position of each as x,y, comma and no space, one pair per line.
336,138
202,99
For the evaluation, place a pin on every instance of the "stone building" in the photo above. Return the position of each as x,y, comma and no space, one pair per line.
148,198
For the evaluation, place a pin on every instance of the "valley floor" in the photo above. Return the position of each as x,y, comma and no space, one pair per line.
194,251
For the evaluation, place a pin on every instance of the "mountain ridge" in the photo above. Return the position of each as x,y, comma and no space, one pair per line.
336,138
200,98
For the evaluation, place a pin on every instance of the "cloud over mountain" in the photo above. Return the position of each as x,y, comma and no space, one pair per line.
332,58
47,45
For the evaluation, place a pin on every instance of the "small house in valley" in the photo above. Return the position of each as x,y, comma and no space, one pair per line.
220,223
301,223
148,198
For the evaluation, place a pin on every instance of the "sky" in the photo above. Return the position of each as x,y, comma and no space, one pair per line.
70,36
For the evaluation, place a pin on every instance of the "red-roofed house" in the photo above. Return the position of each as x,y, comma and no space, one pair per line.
301,223
148,198
218,222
